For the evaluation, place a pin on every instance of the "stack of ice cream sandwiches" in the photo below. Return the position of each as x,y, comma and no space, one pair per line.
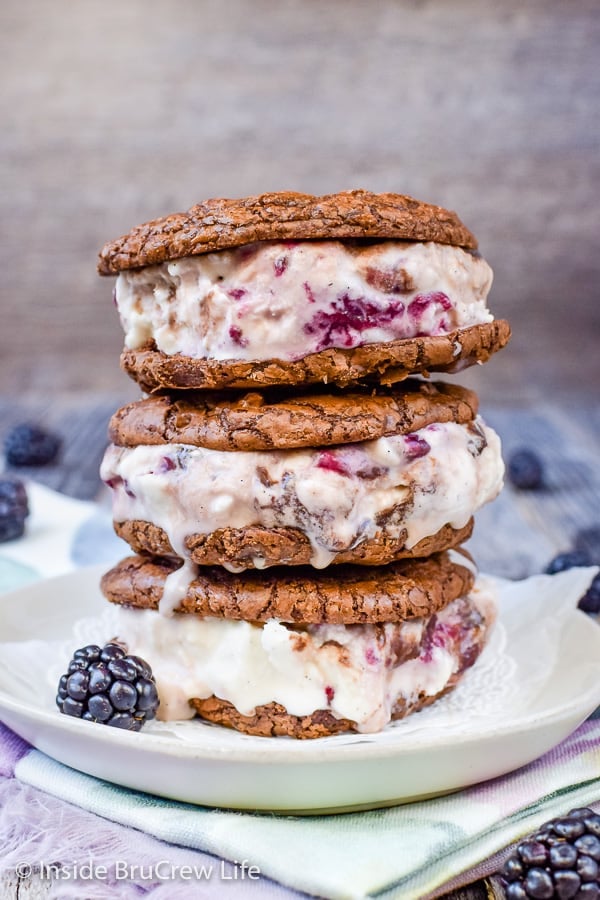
295,489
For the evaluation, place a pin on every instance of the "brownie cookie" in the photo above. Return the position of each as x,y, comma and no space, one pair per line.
242,548
221,224
281,421
387,363
272,720
348,595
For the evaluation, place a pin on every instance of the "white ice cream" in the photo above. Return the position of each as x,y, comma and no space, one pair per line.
287,300
338,496
358,672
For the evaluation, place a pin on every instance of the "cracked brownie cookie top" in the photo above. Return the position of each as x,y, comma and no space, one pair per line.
279,420
348,595
293,289
222,223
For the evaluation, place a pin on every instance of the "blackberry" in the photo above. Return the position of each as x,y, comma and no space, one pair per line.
590,602
14,508
525,470
588,539
30,445
567,561
104,684
561,860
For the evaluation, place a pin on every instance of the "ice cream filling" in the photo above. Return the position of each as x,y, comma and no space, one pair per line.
287,300
357,672
338,496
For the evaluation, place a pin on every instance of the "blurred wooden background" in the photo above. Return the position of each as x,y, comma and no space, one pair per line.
113,113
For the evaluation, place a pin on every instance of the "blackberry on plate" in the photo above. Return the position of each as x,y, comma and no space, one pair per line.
562,860
105,684
30,445
14,508
525,470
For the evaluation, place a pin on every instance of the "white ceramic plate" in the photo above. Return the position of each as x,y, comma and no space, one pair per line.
538,679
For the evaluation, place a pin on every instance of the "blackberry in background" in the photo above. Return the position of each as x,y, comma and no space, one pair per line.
30,445
525,470
14,509
105,685
590,602
588,539
569,560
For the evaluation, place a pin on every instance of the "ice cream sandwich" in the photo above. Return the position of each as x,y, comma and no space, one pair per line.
263,479
289,288
300,652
